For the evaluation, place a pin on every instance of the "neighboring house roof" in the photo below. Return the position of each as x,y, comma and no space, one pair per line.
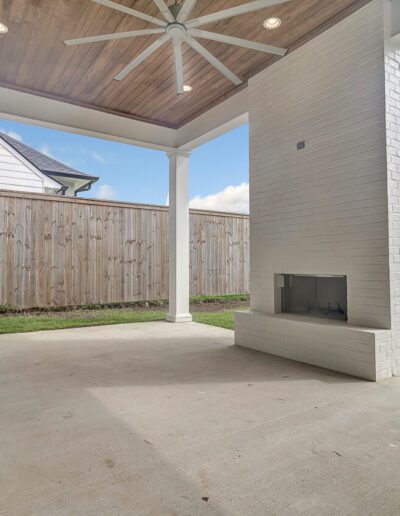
48,166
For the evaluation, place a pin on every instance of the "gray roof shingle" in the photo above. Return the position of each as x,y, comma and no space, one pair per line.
45,164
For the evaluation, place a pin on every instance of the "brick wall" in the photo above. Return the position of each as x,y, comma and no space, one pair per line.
389,357
324,209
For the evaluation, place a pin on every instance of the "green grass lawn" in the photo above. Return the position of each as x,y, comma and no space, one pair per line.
79,318
224,319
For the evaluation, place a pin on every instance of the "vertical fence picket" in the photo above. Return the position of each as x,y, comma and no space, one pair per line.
66,251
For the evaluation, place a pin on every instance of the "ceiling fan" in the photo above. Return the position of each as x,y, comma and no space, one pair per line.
176,29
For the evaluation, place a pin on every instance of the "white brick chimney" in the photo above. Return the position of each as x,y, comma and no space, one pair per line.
325,195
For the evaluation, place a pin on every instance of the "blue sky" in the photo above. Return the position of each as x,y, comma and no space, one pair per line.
218,169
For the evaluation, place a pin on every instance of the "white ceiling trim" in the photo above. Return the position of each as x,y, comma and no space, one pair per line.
54,114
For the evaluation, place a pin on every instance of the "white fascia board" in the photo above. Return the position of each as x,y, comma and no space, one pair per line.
48,182
54,114
229,114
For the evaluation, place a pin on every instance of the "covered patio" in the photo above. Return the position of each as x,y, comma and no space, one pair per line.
317,81
167,419
174,419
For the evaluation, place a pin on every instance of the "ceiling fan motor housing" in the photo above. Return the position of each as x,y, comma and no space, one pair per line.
176,29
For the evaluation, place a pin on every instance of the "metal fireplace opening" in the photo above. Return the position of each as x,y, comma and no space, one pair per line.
317,296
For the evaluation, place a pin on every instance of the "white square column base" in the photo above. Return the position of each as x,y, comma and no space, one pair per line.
179,318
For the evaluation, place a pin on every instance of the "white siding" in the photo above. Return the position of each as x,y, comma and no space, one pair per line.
324,209
15,174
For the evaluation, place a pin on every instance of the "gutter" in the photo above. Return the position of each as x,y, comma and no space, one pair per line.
63,189
85,187
66,175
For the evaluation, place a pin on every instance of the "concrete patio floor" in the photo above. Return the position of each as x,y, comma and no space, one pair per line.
167,419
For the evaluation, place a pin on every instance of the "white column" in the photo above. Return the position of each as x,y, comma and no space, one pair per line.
179,237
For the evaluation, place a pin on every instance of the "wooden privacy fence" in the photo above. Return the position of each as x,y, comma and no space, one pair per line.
60,251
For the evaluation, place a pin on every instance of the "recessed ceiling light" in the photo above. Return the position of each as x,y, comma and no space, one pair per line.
3,28
187,88
272,23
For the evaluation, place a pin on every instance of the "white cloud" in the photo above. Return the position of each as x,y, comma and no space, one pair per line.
98,157
12,134
45,149
71,152
232,199
91,154
106,192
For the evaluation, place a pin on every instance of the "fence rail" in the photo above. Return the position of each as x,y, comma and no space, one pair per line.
66,251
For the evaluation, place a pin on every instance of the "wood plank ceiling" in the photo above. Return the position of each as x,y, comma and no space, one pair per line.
34,58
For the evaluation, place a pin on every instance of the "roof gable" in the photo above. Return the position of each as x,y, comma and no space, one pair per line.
23,166
43,163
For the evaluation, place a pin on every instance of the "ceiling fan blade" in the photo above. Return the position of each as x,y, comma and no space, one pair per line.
233,11
213,36
177,47
211,59
141,57
131,12
163,8
115,35
185,10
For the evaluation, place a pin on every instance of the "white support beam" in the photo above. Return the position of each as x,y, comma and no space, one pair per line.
179,238
54,114
224,117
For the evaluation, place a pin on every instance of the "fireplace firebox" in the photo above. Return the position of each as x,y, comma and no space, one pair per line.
316,296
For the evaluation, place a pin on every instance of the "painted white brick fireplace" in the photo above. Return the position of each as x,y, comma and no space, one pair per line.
325,196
